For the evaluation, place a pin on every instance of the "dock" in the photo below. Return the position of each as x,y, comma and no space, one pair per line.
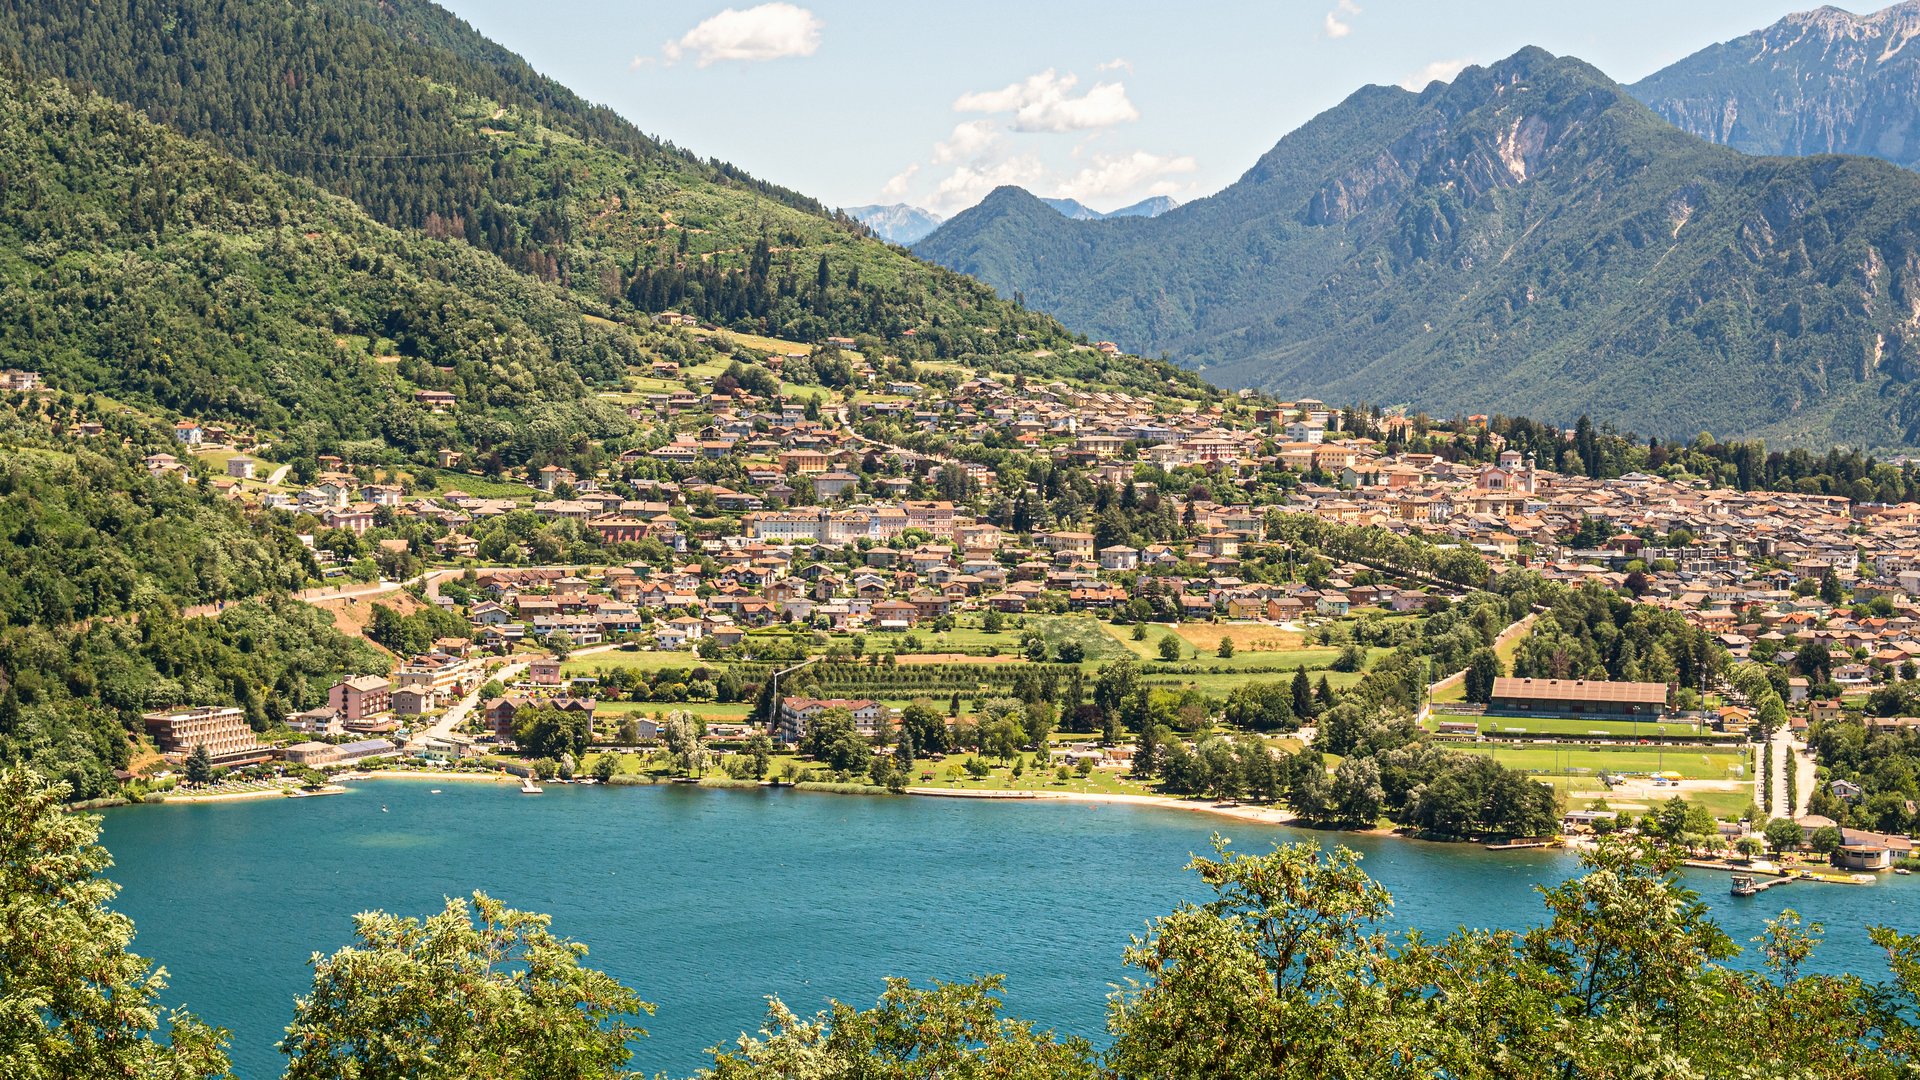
1745,885
1522,845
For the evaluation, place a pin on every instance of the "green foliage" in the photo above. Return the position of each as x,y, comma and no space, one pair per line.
413,115
831,739
951,1030
411,635
478,990
73,1001
149,268
89,532
548,731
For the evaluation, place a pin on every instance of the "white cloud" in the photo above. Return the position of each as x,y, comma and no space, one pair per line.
1118,63
970,183
1114,176
1045,102
896,188
766,32
969,142
1441,70
1337,24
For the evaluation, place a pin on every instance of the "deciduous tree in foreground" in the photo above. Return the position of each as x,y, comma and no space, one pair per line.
473,993
74,1002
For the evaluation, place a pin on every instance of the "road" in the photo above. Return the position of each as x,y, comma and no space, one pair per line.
277,475
458,712
1788,754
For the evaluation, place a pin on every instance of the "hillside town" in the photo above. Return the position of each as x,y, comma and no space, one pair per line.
940,516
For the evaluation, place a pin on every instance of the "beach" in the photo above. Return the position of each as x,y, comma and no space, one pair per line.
1266,815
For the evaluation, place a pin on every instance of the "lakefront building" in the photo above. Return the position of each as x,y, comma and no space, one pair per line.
221,729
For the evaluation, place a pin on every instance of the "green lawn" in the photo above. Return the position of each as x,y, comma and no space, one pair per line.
1528,725
706,710
634,661
1694,763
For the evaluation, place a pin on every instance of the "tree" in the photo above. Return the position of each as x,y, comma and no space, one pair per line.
73,1001
1357,794
832,740
1261,707
1113,687
1169,647
1826,840
1225,651
1302,694
483,990
921,719
1784,835
199,766
1252,962
681,736
903,753
760,750
1483,667
605,768
950,1030
550,731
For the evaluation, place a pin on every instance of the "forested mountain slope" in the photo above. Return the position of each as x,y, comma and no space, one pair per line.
98,557
1528,239
1818,82
142,265
426,124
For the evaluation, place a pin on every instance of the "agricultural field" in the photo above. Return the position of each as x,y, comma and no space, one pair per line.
478,486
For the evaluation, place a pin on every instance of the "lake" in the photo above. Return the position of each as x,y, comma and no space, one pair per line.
707,901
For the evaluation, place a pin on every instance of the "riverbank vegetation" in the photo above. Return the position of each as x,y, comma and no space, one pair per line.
1285,971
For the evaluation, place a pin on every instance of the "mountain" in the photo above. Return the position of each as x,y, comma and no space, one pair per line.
1074,211
427,125
153,269
1528,238
897,223
1077,211
1819,82
1153,207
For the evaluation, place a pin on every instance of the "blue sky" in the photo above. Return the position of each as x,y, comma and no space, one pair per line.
1107,102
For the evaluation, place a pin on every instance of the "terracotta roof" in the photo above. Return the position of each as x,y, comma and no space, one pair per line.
1580,690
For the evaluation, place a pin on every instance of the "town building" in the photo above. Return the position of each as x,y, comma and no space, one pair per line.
221,729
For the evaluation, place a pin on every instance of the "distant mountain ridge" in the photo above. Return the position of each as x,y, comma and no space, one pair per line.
1074,210
1527,239
906,225
897,223
1818,82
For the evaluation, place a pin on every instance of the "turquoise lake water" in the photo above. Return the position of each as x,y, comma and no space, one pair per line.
707,901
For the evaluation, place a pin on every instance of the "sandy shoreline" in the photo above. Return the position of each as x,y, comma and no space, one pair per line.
1266,815
421,774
